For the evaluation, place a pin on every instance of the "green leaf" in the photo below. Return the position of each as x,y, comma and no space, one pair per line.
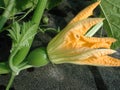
22,5
1,3
52,3
21,34
111,13
4,68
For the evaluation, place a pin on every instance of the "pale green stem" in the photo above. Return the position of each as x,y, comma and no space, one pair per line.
94,29
11,81
6,13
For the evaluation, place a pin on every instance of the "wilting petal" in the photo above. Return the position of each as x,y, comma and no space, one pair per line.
78,55
70,36
54,55
95,42
88,11
71,46
99,61
81,27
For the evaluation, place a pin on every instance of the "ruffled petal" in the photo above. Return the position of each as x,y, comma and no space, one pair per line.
83,26
72,37
88,11
71,46
95,42
78,55
99,61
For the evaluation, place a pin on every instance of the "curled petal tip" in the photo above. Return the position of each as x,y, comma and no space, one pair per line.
85,13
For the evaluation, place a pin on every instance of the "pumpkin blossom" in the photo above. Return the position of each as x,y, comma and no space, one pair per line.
72,46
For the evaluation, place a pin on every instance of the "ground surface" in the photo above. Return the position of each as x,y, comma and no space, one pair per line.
65,76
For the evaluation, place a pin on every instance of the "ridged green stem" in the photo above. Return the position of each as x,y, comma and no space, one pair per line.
6,13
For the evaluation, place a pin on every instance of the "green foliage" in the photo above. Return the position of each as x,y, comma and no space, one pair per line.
1,3
111,13
6,14
16,6
22,5
25,4
21,35
4,68
52,3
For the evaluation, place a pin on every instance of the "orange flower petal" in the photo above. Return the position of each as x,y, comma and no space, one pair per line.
83,26
72,37
95,42
100,61
85,13
100,45
69,36
59,55
78,55
71,46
